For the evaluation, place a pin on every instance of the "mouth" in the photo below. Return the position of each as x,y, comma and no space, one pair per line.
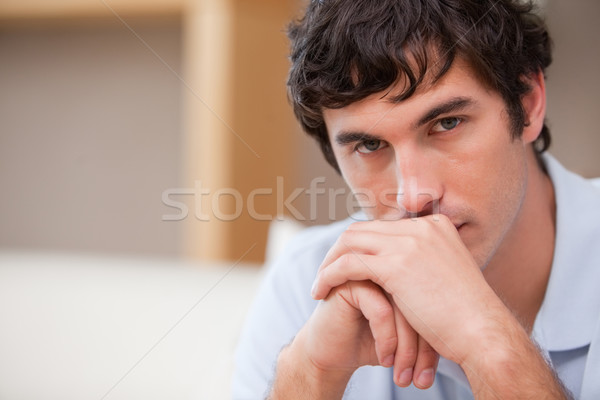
459,226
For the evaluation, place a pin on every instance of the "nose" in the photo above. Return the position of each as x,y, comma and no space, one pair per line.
419,186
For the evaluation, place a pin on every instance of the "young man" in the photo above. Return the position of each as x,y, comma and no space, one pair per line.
476,251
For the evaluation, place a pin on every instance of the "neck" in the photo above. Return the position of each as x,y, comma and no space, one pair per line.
520,269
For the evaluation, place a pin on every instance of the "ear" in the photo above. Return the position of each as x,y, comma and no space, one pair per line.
534,105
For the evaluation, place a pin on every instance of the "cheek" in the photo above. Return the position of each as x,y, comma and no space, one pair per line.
510,182
496,194
491,169
507,169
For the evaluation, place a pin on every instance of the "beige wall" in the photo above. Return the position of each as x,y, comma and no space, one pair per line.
90,135
574,84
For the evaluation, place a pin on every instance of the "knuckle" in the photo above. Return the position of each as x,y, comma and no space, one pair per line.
347,236
403,258
407,354
356,225
346,258
439,217
383,312
442,219
387,343
344,290
411,241
339,242
428,352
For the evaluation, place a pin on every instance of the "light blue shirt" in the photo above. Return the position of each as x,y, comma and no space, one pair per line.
566,328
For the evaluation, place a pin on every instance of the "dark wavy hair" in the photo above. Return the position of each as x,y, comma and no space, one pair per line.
345,50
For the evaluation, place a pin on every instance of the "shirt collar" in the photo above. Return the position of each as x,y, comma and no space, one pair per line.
569,313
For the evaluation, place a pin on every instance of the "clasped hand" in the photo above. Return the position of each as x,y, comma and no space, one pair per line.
397,293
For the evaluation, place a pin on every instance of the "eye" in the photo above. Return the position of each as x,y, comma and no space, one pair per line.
369,146
446,124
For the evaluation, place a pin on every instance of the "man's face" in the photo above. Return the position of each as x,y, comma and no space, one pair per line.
446,149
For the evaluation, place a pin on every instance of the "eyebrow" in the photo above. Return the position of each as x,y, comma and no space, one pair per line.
344,138
454,104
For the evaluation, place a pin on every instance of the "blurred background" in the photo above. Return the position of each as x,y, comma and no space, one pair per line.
131,131
122,124
107,106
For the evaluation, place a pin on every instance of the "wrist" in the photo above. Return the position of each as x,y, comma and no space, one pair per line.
487,343
489,339
505,363
325,378
298,376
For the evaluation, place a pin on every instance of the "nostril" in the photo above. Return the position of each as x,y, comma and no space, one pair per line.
426,210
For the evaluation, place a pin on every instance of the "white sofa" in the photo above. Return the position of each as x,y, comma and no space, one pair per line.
84,327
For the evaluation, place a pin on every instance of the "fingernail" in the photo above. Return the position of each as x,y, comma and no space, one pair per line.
426,378
405,377
388,361
313,290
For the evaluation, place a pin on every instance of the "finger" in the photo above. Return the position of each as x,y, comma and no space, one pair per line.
366,236
377,309
377,237
406,351
426,366
358,241
390,227
373,237
405,226
349,267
